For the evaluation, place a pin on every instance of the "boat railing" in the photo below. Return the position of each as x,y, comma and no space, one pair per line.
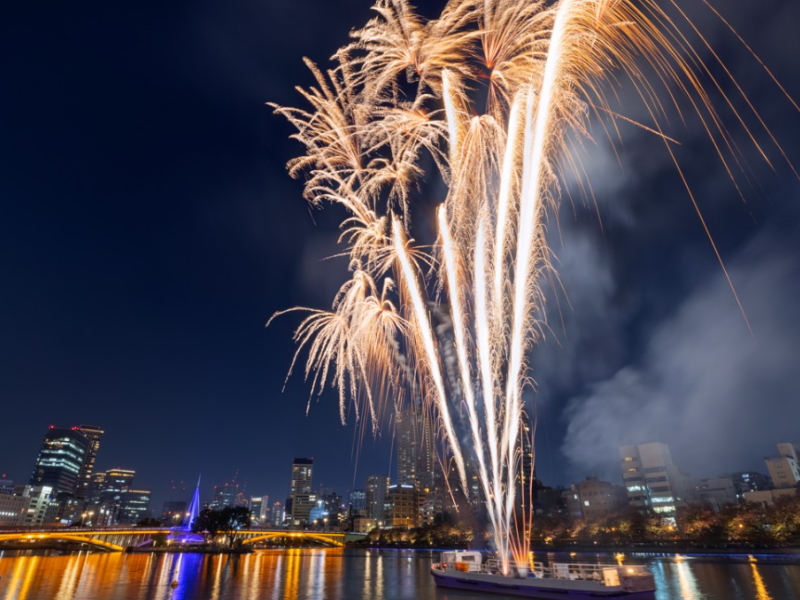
583,572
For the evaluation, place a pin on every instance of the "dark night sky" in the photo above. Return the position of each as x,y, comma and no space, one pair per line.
148,230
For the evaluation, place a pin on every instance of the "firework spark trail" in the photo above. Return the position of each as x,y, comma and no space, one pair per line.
454,283
545,66
424,330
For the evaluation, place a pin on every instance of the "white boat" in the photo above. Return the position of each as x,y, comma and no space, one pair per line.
465,570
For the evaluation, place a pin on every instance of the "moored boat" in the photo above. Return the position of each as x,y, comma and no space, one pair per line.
465,570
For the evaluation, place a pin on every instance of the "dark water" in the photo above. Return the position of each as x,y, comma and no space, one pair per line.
342,575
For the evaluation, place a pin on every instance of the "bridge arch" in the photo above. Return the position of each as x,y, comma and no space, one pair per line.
83,539
330,539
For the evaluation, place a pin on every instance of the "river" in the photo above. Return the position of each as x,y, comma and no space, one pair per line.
348,574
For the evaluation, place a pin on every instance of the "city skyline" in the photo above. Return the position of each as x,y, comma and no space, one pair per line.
152,232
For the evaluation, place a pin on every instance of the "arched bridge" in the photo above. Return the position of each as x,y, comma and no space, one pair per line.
117,539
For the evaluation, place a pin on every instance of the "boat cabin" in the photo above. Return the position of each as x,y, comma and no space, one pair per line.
468,561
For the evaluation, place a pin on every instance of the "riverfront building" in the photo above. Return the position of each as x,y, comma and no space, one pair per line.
785,473
376,496
592,498
60,460
93,436
301,497
653,481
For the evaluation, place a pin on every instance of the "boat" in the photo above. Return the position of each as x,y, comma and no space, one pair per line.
465,570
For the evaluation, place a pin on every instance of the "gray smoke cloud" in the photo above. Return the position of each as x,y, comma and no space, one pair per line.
719,396
656,348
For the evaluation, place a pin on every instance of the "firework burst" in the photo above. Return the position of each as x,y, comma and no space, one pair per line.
491,90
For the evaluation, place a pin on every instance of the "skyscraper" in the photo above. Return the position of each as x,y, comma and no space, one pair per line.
60,460
302,498
224,495
415,457
276,514
376,497
93,436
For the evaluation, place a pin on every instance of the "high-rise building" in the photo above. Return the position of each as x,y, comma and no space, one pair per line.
259,508
403,505
415,454
783,468
718,491
376,496
653,481
134,506
224,495
96,485
593,498
302,470
302,498
93,436
358,503
277,515
749,481
785,473
112,496
42,507
13,509
60,461
118,479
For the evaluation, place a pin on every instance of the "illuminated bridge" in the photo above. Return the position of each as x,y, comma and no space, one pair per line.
119,539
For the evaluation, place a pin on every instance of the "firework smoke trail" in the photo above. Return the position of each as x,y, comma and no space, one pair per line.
401,91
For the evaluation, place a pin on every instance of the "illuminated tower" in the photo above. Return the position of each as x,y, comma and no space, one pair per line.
415,458
60,460
302,498
377,495
93,436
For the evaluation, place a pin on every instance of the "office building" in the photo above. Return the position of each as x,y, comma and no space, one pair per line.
93,436
592,498
42,506
403,505
13,509
259,509
96,485
302,499
415,452
718,491
134,506
277,515
60,461
224,495
376,497
108,508
783,468
357,501
749,481
653,481
785,474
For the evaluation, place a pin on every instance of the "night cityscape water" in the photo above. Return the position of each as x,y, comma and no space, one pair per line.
341,574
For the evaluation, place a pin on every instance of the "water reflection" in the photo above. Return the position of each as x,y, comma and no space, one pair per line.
687,581
334,575
761,590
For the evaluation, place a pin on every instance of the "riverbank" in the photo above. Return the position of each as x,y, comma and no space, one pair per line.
189,550
683,550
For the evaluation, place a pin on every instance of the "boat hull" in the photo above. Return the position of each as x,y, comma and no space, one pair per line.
531,588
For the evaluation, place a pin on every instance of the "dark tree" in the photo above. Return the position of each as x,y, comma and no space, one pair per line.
228,520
